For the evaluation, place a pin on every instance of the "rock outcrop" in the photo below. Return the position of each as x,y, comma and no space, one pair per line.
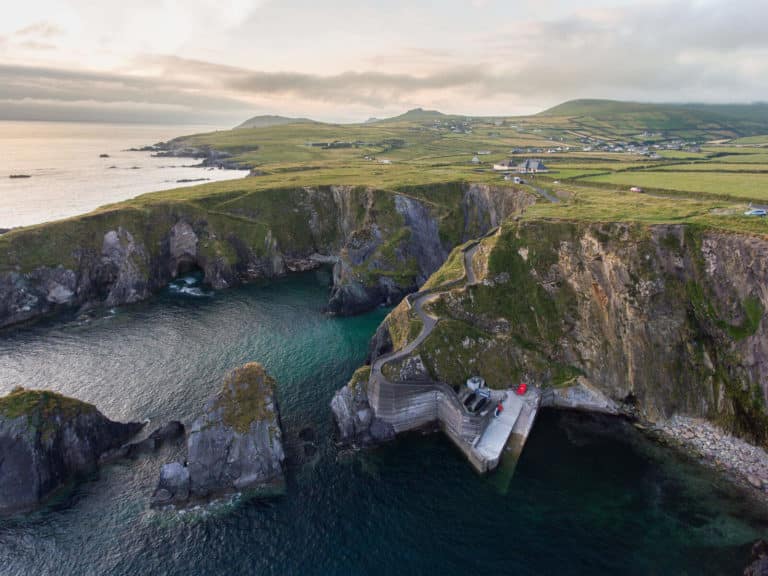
383,244
354,417
48,440
234,446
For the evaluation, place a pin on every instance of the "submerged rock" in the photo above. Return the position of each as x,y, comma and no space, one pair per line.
234,446
47,440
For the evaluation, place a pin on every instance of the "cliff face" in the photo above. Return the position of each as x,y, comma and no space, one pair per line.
660,320
383,244
47,440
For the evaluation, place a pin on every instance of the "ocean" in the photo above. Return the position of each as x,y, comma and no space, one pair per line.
590,495
68,176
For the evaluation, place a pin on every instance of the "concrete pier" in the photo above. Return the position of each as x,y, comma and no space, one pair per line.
509,429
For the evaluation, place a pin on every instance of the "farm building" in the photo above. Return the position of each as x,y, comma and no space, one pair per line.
531,167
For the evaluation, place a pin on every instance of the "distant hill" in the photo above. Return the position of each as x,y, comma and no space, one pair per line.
725,120
270,120
415,115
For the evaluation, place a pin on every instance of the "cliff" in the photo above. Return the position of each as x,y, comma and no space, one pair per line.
235,445
47,440
383,244
654,320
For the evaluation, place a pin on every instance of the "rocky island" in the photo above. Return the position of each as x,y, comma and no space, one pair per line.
48,440
235,446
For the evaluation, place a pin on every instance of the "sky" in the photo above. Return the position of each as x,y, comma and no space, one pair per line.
221,61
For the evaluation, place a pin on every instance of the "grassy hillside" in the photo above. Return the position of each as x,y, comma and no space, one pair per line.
270,120
686,120
414,154
416,115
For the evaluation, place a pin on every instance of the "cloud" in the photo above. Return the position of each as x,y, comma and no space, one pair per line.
676,50
38,93
40,29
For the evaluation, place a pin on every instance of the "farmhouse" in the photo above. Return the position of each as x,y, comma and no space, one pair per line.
531,167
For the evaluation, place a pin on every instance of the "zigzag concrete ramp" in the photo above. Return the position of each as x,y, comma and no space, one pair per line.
410,405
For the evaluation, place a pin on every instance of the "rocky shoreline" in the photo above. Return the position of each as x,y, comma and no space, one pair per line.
740,461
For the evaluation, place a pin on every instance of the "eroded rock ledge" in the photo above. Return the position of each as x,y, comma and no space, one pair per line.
235,446
48,440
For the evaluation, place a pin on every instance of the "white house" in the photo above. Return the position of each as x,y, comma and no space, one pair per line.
531,167
527,167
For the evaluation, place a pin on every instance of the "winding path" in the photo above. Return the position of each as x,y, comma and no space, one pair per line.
406,405
417,301
546,194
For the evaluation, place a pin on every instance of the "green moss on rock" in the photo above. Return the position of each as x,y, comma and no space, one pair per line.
246,395
360,378
41,405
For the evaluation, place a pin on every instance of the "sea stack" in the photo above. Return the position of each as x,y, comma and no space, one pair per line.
47,440
234,446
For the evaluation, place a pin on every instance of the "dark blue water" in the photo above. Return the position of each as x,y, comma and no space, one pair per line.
589,496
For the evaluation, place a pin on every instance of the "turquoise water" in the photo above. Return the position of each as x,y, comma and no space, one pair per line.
590,495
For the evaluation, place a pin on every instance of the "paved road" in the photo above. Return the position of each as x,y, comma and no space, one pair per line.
546,194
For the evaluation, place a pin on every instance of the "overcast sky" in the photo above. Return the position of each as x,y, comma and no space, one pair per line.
220,61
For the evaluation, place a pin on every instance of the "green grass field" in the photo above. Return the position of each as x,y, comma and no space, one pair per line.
733,185
709,188
713,167
749,140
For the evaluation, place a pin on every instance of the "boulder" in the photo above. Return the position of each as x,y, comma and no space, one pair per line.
48,440
173,485
234,446
354,417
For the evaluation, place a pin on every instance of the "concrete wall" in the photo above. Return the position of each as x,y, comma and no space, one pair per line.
410,405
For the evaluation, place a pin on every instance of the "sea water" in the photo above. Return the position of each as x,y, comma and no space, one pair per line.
68,176
590,495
